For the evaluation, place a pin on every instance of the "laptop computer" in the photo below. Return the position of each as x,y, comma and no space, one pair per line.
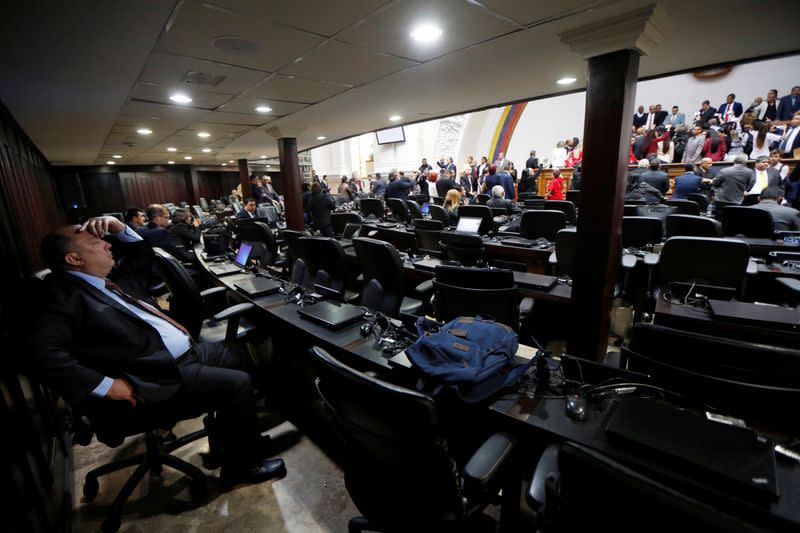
331,315
350,230
468,225
770,316
425,208
717,455
258,286
242,256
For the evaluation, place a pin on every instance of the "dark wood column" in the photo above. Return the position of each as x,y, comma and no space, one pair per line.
290,183
610,94
192,185
244,178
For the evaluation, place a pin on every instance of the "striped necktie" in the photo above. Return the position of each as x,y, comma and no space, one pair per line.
113,287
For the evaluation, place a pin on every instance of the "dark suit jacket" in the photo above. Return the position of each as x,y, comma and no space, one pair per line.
732,183
708,114
466,182
443,185
156,236
737,109
660,116
244,215
657,179
320,207
399,188
639,121
532,162
785,107
184,237
81,335
508,205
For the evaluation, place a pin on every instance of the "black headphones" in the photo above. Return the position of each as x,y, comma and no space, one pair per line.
376,320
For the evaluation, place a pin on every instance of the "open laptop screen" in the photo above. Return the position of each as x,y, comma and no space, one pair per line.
424,208
469,225
243,254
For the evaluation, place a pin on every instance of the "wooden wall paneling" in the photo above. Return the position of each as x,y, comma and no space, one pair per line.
103,193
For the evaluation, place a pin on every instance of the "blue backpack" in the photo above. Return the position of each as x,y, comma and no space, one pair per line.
473,356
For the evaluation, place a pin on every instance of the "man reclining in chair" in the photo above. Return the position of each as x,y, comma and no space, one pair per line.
107,352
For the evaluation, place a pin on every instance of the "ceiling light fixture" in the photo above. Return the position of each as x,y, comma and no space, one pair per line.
263,157
116,156
566,80
179,98
170,162
321,137
144,131
426,33
111,162
187,157
204,134
172,149
224,164
395,118
206,150
263,109
231,161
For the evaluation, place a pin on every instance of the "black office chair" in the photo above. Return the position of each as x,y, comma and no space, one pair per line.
265,247
750,199
542,224
635,202
426,223
700,199
629,210
371,207
384,278
340,220
747,222
568,208
720,206
437,212
298,258
692,226
574,487
197,211
400,471
467,250
463,291
564,260
327,264
438,200
685,207
428,241
413,209
537,203
481,199
499,211
203,313
479,211
203,204
639,232
574,197
399,209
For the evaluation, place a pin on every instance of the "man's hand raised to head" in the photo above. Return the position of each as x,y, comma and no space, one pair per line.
101,226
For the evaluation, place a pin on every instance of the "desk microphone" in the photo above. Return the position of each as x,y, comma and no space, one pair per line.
542,369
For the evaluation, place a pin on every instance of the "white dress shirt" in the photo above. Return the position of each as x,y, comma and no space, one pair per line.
762,181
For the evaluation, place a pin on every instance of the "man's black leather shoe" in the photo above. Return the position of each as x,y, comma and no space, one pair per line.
262,471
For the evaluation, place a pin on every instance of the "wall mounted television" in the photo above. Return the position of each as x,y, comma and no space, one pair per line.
391,135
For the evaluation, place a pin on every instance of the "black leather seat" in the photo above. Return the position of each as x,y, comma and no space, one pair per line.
700,199
426,223
399,210
482,198
568,208
265,248
535,224
639,232
535,203
565,258
414,210
340,220
747,222
400,470
468,250
437,212
428,241
371,207
479,211
574,197
203,313
384,278
327,264
685,207
692,226
297,258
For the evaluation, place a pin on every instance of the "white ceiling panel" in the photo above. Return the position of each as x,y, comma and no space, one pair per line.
345,63
531,12
296,89
172,70
160,94
247,105
245,39
222,117
158,117
463,24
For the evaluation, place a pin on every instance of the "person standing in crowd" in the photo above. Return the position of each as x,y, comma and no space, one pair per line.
378,186
706,112
512,171
397,187
424,166
661,116
694,146
687,183
731,110
482,168
319,208
466,181
444,183
555,189
528,180
675,119
762,140
559,155
639,146
574,157
679,143
577,176
789,104
764,176
532,161
306,197
326,188
502,162
640,117
791,140
775,162
732,182
714,146
651,140
758,108
771,112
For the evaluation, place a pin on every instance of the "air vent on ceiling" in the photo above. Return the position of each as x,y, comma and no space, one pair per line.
203,78
235,44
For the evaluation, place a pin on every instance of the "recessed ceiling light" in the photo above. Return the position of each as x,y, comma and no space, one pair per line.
567,80
231,161
170,162
204,134
111,162
187,157
172,149
321,137
144,131
263,109
180,98
224,164
206,150
263,157
395,118
116,156
426,33
268,166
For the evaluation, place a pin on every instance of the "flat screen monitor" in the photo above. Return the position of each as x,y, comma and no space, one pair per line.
468,225
243,254
391,135
424,208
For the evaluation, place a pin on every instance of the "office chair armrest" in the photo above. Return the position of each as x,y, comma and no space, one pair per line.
525,306
545,468
552,260
651,259
628,261
612,359
487,460
234,311
424,290
752,268
790,284
213,291
157,289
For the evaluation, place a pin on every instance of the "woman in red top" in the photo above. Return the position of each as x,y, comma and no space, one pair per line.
555,189
715,146
652,139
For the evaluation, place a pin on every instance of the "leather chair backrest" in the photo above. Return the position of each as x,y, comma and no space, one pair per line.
482,198
566,252
747,222
327,262
574,197
692,226
544,224
471,291
427,223
465,249
379,260
568,208
438,212
186,305
261,233
720,262
685,207
700,199
428,239
479,211
414,210
640,231
371,206
340,220
399,209
535,203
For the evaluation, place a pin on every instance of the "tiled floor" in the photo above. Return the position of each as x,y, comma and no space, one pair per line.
312,496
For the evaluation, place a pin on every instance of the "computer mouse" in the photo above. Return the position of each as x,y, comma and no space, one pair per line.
366,329
575,407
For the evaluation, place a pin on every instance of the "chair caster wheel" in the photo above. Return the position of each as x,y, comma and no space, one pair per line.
90,489
198,491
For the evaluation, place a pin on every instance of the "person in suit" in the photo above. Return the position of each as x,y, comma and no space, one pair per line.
660,116
731,110
706,112
184,233
789,104
378,186
655,177
319,210
257,189
112,356
424,166
450,166
694,146
687,183
532,162
785,218
502,162
732,182
675,118
703,168
640,117
771,112
155,232
465,181
398,187
134,217
791,141
499,200
248,212
444,183
764,176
